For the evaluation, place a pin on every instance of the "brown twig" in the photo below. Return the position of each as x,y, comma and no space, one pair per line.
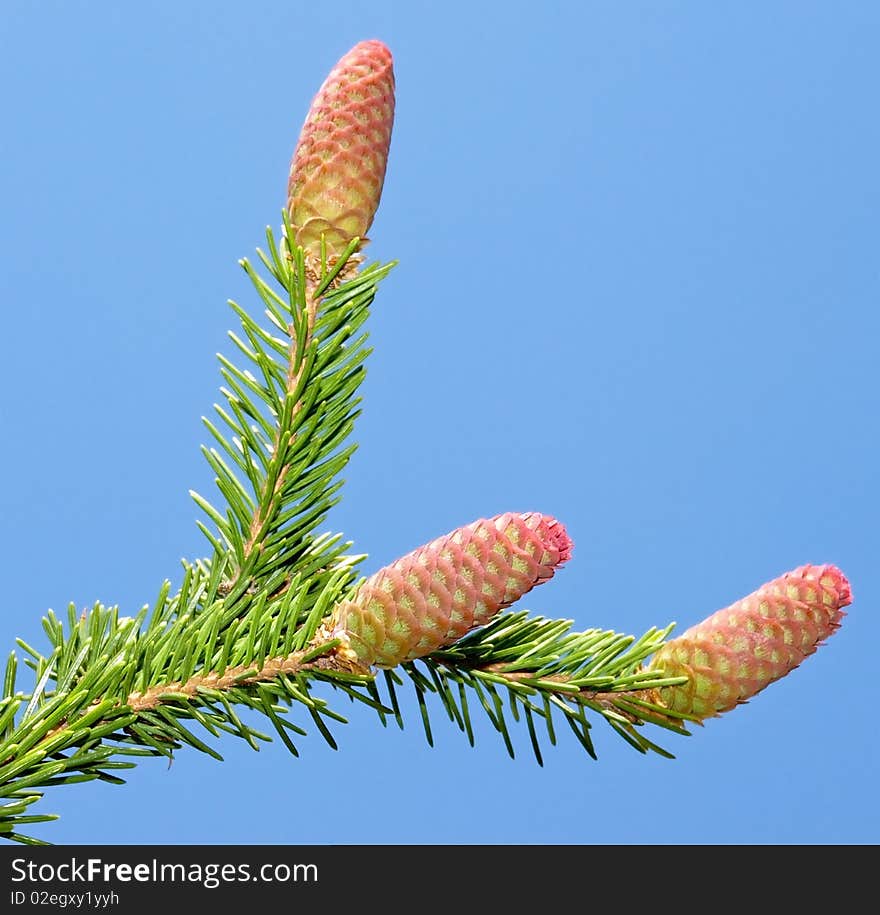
240,675
295,367
606,699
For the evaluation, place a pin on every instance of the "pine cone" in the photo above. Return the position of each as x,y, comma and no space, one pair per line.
431,597
735,653
338,168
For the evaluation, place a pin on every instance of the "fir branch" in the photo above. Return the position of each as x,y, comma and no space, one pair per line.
289,415
544,667
302,299
85,720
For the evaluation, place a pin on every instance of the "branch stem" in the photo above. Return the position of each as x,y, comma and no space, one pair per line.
240,675
295,367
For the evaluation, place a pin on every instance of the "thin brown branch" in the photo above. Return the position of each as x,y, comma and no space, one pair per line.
295,367
241,675
342,661
337,658
607,699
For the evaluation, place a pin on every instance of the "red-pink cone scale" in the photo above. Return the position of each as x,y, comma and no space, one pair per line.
338,167
433,596
738,651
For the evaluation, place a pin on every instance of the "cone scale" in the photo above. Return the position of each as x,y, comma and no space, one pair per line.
738,651
433,596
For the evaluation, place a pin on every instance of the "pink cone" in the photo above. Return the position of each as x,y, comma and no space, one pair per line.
431,597
338,169
736,652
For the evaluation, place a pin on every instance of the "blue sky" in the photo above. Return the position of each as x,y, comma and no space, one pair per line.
638,289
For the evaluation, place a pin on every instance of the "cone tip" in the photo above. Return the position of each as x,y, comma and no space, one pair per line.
831,576
373,48
554,530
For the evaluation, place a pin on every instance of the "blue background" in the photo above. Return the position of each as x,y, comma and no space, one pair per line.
638,289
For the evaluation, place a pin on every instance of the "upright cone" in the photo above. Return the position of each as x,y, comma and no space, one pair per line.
431,597
338,168
736,652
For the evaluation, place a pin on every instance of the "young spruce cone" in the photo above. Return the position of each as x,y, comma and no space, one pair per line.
431,597
338,168
735,653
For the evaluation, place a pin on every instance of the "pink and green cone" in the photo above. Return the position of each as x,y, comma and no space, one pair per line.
433,596
736,652
338,167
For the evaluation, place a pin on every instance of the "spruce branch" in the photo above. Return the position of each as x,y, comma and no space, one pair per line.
286,419
276,615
